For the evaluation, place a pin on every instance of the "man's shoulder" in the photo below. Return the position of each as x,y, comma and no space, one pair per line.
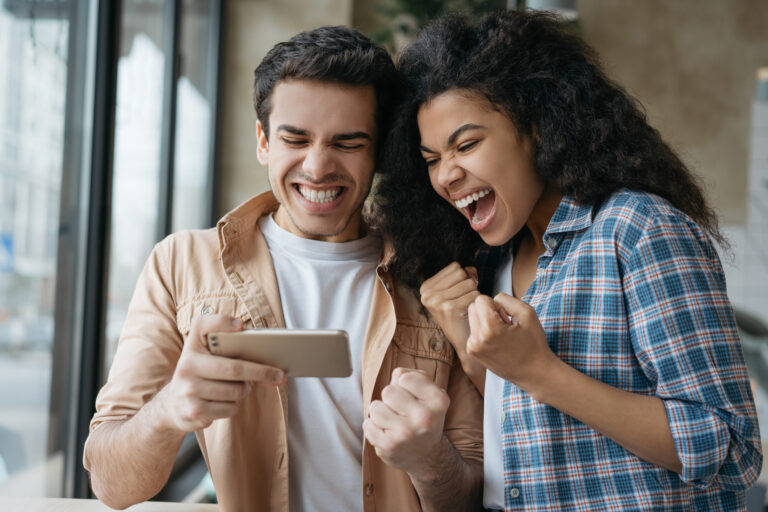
189,242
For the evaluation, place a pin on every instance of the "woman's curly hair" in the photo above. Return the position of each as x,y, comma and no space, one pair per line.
591,137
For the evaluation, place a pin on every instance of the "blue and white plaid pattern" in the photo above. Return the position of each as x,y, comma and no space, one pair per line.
632,293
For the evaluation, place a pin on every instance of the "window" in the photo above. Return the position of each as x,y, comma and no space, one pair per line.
43,78
88,183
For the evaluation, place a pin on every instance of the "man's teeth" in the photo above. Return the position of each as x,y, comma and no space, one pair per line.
463,203
319,196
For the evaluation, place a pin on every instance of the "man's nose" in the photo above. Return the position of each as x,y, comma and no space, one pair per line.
318,162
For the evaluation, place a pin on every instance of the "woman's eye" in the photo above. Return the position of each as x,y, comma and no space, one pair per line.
431,161
467,146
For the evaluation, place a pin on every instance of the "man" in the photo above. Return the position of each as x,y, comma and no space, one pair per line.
404,432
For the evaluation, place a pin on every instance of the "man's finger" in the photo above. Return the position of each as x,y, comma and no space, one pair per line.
209,366
421,387
204,325
400,400
222,391
215,410
402,370
383,415
374,433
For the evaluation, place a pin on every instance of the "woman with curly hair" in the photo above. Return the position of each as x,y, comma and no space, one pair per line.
609,357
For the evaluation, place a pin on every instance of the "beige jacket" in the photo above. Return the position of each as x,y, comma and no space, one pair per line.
228,270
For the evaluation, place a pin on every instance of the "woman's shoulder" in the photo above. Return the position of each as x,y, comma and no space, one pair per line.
637,210
629,216
637,206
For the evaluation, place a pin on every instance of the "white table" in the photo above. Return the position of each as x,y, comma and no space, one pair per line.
14,504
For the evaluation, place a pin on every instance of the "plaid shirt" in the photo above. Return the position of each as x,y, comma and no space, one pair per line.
631,293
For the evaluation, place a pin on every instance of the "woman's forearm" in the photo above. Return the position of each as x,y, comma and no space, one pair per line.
637,422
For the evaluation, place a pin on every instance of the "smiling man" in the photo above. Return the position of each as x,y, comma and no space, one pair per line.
403,433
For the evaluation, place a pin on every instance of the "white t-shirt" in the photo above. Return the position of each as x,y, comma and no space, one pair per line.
493,457
325,285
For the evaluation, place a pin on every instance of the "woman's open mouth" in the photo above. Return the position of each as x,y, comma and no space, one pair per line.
478,207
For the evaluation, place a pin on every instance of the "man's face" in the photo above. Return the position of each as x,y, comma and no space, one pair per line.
320,156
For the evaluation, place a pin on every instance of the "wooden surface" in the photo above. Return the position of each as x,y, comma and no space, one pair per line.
14,504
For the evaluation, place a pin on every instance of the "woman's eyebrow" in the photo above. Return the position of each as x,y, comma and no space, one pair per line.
454,135
458,131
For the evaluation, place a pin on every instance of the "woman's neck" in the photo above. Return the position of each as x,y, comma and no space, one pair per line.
542,213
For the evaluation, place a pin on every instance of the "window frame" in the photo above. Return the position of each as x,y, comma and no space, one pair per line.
83,234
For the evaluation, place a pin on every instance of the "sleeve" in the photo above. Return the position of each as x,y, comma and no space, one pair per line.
149,347
684,333
464,419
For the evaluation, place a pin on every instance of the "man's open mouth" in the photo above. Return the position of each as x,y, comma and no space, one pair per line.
319,195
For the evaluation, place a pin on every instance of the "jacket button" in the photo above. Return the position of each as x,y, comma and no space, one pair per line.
207,310
436,345
514,492
369,489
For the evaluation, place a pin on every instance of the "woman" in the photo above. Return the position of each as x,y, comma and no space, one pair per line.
610,361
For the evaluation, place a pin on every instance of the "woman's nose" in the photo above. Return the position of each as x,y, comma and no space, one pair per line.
449,173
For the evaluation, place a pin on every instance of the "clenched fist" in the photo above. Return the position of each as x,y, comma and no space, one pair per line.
406,425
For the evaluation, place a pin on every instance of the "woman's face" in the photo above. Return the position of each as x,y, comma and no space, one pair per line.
479,163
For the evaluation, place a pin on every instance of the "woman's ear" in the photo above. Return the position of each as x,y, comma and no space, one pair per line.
535,136
262,147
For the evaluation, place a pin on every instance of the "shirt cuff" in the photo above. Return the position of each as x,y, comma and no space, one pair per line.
701,439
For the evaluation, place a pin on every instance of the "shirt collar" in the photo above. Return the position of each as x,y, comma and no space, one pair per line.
570,216
243,219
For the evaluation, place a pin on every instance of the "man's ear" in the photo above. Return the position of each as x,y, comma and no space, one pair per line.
262,148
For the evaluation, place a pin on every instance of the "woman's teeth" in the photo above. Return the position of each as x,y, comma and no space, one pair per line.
471,198
319,196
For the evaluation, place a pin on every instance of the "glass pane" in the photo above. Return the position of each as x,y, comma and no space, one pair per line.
33,84
195,102
138,128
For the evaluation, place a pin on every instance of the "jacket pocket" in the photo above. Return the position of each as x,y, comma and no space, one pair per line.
213,304
424,348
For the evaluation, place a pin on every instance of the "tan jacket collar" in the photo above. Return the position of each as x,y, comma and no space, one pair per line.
243,218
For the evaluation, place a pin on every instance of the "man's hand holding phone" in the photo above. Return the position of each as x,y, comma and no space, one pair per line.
206,387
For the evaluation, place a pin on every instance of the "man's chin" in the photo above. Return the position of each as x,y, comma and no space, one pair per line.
326,229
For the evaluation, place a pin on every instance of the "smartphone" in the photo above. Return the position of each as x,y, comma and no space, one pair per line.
298,352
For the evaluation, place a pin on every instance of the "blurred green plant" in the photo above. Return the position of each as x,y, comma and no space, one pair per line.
404,18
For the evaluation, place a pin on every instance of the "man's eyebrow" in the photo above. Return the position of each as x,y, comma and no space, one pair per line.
341,136
292,129
351,136
454,135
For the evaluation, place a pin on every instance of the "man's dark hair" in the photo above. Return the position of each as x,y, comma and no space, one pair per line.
591,138
329,54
